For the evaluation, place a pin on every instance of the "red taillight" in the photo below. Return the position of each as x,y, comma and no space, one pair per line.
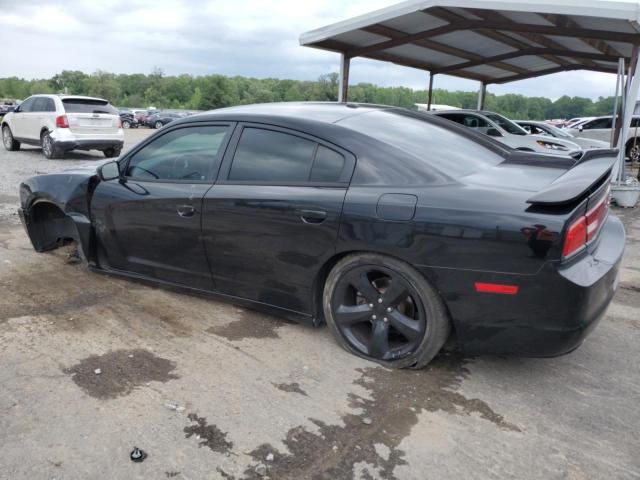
496,288
62,122
586,228
576,237
596,217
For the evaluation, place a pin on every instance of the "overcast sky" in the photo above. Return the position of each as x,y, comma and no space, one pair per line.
230,37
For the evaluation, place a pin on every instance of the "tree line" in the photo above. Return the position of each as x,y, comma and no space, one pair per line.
216,91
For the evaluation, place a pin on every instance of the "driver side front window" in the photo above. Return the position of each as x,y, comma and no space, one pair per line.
187,154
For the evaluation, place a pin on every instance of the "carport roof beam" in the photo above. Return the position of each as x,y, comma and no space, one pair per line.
492,41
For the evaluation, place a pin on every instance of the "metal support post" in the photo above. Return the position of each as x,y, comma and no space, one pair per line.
343,81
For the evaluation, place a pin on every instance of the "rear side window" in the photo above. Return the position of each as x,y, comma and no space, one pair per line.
271,156
187,154
81,105
447,151
327,166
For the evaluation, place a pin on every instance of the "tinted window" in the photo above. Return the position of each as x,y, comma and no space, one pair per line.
81,105
597,123
635,122
270,156
49,105
27,105
327,166
39,105
506,124
186,154
447,151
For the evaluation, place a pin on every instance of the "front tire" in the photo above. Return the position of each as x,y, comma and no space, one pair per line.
49,148
384,310
126,124
9,142
158,125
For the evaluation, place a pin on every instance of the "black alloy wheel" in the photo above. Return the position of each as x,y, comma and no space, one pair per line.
385,311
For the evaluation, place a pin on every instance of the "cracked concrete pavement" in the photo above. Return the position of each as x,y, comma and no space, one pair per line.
213,391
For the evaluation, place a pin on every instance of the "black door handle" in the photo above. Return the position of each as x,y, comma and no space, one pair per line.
186,210
313,216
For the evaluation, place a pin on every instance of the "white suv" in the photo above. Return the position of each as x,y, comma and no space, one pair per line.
60,123
600,129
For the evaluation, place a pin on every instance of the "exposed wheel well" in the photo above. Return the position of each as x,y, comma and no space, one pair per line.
50,227
323,273
43,131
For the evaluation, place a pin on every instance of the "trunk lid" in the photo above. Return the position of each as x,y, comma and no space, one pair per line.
91,116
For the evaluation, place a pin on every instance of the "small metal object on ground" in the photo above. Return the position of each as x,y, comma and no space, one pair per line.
137,455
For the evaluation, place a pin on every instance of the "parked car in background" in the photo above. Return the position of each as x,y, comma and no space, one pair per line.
60,123
543,128
393,227
508,132
160,119
128,119
600,129
140,115
578,122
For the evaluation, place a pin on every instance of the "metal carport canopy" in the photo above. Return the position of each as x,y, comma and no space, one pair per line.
491,41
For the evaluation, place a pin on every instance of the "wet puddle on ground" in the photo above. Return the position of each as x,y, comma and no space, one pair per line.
120,372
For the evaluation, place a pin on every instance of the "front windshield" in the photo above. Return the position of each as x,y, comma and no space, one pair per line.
506,124
557,132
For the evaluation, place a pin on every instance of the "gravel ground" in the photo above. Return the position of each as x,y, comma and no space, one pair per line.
92,366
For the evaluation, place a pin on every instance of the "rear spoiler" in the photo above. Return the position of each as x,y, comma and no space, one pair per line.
588,173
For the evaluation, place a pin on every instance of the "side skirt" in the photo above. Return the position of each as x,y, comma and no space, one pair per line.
292,315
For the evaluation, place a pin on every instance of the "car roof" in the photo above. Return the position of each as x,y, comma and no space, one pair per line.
325,112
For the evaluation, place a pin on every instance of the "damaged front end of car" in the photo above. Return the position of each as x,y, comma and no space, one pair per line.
54,209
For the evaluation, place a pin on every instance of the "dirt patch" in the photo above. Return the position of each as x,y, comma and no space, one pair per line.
209,435
628,295
75,298
397,398
290,388
120,372
251,325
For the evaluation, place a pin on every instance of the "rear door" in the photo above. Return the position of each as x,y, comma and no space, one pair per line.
271,220
91,116
148,222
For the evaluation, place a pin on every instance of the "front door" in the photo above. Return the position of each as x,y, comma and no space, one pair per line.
19,118
148,222
271,221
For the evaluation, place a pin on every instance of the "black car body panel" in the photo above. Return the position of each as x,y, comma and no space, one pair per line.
271,245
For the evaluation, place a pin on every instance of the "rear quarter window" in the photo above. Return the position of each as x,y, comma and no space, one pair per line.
80,105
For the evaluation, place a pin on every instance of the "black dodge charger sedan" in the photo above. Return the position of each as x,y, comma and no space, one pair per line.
396,228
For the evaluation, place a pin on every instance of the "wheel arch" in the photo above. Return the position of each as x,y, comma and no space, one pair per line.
321,279
50,227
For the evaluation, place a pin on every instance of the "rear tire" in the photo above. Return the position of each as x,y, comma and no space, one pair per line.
9,142
49,148
126,124
393,316
158,125
112,152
